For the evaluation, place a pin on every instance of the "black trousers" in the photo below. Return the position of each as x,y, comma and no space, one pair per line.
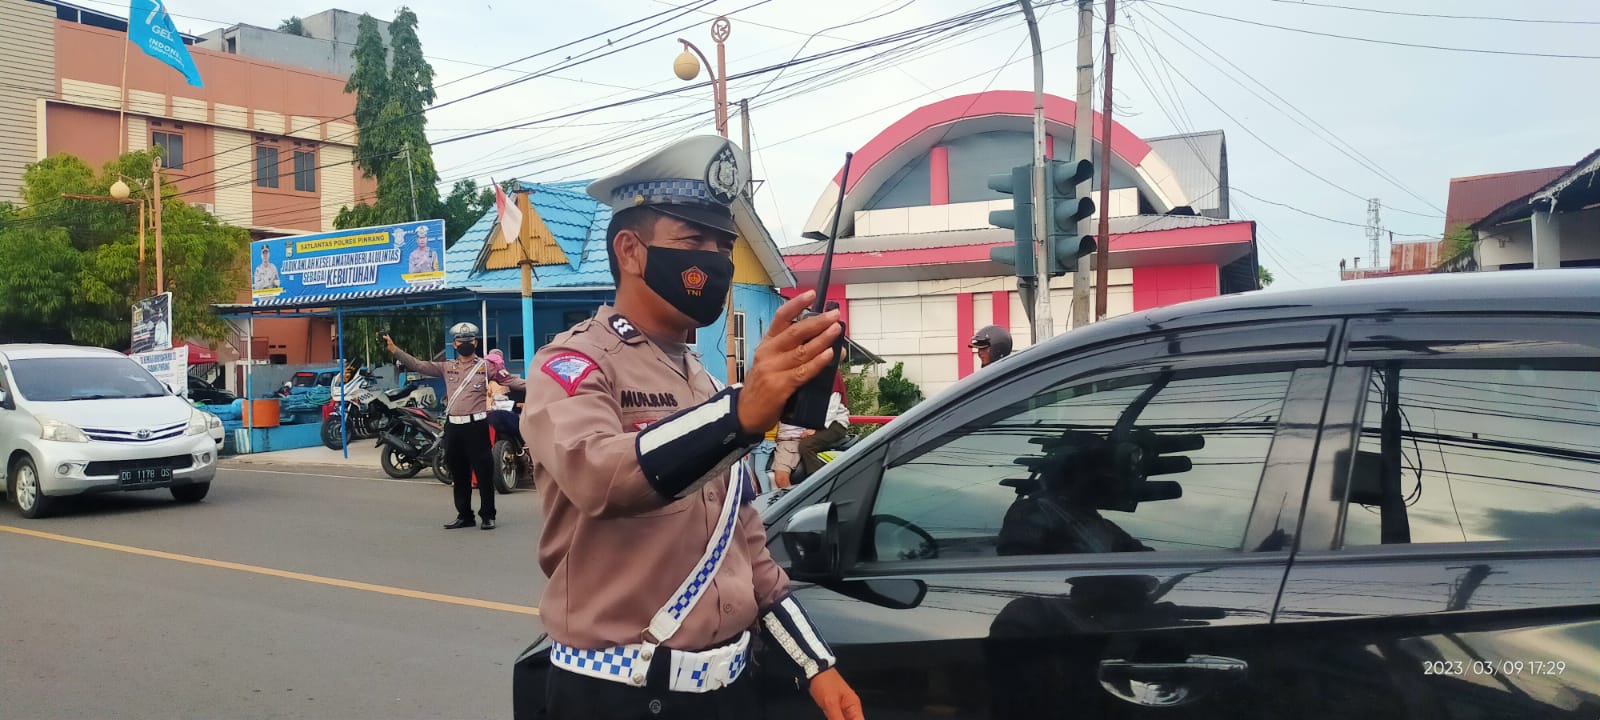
821,441
579,697
467,451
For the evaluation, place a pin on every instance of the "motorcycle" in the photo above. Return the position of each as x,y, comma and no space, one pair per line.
361,409
513,466
411,440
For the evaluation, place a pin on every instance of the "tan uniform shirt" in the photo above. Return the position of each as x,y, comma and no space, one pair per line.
614,548
458,374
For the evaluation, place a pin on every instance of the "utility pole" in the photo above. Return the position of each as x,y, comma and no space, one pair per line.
1374,228
155,210
1102,259
412,180
1083,148
1043,322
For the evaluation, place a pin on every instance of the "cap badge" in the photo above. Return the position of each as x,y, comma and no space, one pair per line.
694,281
722,175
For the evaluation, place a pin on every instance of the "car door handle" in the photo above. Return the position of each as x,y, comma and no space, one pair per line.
1170,684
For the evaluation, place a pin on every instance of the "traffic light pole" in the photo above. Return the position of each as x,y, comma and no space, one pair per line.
1103,251
1083,148
1043,322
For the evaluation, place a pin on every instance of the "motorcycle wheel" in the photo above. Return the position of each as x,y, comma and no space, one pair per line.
441,472
330,433
506,467
397,465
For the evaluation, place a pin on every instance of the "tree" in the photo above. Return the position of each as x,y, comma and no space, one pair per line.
1264,276
69,267
465,205
393,90
293,26
896,394
1459,240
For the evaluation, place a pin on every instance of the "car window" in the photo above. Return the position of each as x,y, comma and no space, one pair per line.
1158,461
84,378
1484,453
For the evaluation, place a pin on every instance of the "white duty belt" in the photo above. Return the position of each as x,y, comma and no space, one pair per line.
696,672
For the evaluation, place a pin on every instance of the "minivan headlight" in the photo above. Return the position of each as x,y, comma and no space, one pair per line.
197,423
57,431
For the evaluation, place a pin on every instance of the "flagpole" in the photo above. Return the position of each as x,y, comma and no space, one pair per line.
122,103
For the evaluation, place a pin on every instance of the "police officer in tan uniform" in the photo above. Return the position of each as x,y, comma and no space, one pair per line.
467,450
659,573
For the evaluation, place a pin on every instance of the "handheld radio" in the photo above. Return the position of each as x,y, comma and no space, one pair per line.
808,407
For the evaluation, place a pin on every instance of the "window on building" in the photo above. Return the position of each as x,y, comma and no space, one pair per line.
266,166
305,171
738,346
170,146
1472,454
1052,474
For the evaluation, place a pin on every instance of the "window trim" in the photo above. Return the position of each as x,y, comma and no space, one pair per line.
295,154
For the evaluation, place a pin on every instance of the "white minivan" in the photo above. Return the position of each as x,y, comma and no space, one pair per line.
76,420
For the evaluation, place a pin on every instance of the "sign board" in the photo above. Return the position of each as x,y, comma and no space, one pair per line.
171,367
152,324
359,263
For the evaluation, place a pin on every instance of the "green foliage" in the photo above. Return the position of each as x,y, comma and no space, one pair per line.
463,207
393,88
293,26
863,398
419,331
1264,276
69,267
896,394
1459,240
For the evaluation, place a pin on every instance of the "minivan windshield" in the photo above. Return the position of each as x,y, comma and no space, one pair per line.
83,378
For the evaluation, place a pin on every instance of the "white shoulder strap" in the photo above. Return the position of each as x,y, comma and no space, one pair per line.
461,387
670,617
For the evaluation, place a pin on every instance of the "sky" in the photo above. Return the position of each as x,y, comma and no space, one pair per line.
1379,121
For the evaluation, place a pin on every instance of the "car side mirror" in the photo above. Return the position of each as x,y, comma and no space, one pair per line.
812,541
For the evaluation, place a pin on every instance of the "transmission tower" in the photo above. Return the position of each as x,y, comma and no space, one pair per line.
1374,228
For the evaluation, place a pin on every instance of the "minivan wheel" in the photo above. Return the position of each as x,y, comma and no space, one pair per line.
30,497
190,493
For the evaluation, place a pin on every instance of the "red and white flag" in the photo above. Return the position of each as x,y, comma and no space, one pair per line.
510,215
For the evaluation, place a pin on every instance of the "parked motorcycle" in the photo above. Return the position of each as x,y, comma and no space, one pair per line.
411,441
362,409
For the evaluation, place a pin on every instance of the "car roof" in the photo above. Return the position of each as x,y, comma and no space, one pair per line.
29,351
1569,290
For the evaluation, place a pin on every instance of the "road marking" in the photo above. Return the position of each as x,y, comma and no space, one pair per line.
272,572
314,474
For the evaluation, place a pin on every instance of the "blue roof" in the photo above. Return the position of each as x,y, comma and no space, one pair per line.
578,223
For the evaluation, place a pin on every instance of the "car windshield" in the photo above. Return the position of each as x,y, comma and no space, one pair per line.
84,378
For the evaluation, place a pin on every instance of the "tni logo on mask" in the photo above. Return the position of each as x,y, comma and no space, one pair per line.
694,281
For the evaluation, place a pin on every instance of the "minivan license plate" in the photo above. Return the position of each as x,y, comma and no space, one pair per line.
145,476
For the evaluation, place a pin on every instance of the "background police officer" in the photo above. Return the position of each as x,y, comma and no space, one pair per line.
658,564
467,448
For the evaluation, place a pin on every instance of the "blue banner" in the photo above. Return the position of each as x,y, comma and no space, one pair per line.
151,29
344,264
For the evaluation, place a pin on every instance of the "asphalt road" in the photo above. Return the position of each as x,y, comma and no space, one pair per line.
285,594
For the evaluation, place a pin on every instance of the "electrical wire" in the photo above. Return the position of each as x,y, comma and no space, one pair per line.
1308,3
1375,41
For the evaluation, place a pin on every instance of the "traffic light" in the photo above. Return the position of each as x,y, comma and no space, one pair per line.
1065,245
1019,185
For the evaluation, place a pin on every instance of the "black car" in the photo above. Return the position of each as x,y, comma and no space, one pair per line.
1377,500
203,392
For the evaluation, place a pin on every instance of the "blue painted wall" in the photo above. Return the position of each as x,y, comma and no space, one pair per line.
759,303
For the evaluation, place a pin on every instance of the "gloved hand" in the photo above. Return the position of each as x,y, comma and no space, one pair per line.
834,696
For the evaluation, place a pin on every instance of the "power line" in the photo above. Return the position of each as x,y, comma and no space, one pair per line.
1375,41
1306,3
1353,153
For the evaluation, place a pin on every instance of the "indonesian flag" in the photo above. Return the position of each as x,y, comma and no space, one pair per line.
510,215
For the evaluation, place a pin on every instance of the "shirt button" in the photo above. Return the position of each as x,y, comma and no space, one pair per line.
727,608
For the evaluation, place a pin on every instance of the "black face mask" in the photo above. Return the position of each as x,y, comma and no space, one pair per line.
466,349
695,282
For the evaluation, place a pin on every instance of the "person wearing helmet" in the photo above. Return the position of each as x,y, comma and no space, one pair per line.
467,450
657,557
991,344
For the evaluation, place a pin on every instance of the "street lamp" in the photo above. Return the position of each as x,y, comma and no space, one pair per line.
687,67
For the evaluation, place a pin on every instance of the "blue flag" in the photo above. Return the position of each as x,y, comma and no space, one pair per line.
151,29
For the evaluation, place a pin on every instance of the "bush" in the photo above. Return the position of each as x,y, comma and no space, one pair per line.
896,394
